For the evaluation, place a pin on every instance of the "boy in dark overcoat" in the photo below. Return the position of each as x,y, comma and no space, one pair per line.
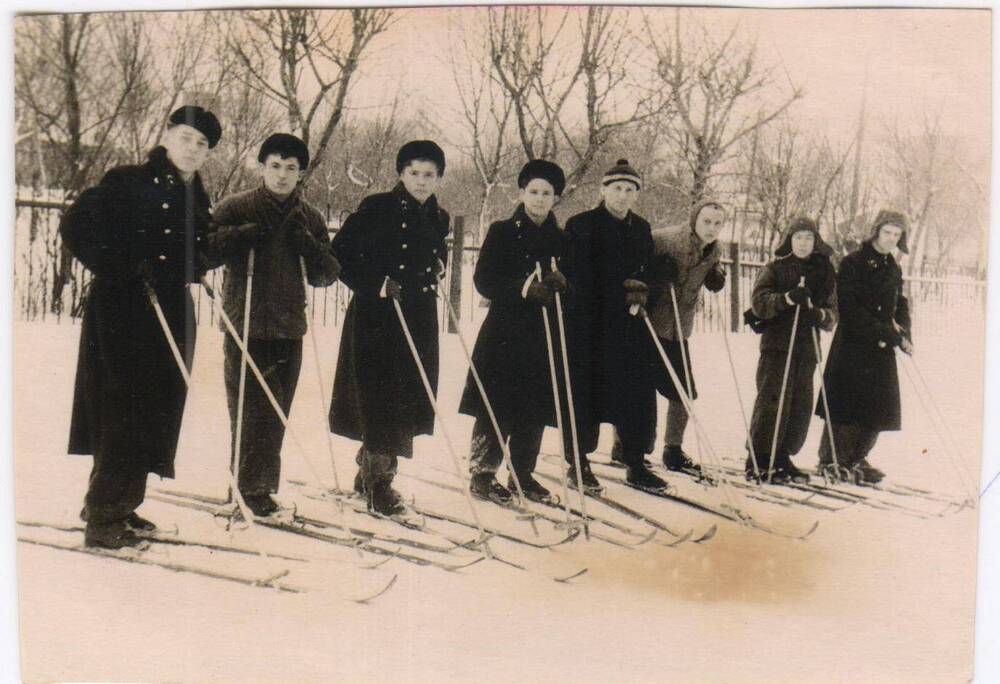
611,351
800,276
140,231
392,249
862,381
282,229
510,354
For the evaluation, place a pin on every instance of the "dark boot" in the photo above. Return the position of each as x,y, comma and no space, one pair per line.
378,470
591,485
866,473
795,474
262,505
618,456
643,478
111,535
674,459
137,523
486,487
533,490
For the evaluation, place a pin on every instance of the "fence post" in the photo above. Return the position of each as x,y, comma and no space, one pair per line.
735,318
457,245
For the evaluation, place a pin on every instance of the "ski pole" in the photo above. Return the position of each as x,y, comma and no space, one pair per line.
234,492
282,416
570,406
504,443
739,398
444,430
685,361
248,514
826,403
784,386
556,402
322,390
688,404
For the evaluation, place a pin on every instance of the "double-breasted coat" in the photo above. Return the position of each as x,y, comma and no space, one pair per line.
610,351
139,223
511,354
378,396
862,382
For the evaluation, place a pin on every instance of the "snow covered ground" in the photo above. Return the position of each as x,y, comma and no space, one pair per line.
873,595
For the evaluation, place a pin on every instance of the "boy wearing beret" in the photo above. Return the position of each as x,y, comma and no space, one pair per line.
510,354
610,251
392,249
801,278
141,233
283,230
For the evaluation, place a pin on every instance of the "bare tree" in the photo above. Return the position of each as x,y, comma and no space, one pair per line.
305,61
714,89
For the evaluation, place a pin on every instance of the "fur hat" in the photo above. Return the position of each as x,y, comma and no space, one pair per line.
896,218
544,169
622,171
199,119
803,223
696,209
285,146
420,149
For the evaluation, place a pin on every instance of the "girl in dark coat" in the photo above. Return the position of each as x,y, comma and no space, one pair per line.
141,227
611,351
511,355
391,248
801,276
861,379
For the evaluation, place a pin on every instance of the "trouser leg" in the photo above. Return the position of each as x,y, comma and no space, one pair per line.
486,453
799,404
525,441
677,420
116,488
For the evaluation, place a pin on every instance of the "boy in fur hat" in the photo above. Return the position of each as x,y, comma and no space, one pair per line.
610,351
801,278
275,221
687,258
510,355
392,249
862,382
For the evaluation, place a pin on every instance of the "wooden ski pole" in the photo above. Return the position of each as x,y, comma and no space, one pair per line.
234,491
685,361
571,406
444,430
826,404
784,384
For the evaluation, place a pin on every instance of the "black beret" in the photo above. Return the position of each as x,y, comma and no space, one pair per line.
199,119
285,146
544,169
420,149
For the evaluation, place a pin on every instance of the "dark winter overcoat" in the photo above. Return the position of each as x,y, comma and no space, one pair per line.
861,379
511,354
611,351
129,395
377,389
769,303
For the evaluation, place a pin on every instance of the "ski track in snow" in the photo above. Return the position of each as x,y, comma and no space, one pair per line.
851,602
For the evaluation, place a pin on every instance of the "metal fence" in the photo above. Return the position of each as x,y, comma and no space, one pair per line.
938,304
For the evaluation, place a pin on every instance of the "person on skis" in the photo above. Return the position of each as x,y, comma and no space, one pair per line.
141,233
510,353
687,258
861,378
610,350
392,251
283,230
800,279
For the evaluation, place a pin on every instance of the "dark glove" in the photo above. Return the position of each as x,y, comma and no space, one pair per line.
664,269
144,272
715,279
556,282
393,290
327,266
799,295
812,317
636,292
302,241
539,293
756,323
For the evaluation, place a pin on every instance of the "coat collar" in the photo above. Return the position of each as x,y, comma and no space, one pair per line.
873,256
165,173
603,210
409,203
524,222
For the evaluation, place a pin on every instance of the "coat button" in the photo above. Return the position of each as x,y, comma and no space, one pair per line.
402,267
404,245
403,225
428,269
423,289
163,257
156,180
165,205
167,231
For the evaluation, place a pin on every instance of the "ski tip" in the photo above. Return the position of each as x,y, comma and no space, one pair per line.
570,578
368,599
681,539
648,538
383,561
709,534
810,530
